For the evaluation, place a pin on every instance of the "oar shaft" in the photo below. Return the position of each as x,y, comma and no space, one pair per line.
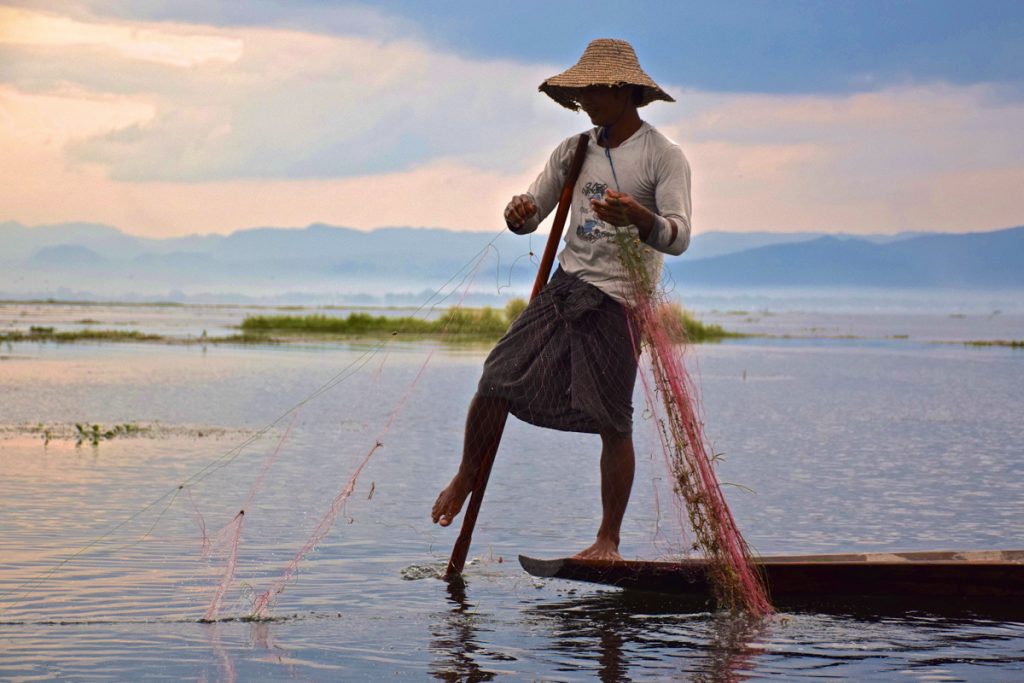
476,499
461,549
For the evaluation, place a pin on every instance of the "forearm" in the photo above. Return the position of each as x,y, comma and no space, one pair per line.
668,234
645,221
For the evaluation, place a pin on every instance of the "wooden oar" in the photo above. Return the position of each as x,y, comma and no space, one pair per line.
461,548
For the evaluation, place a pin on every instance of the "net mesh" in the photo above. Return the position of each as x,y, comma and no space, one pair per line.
570,362
575,371
673,401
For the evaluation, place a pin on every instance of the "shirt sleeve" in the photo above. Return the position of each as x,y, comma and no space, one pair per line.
671,232
547,188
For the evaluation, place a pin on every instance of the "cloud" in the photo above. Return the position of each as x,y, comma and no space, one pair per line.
444,193
168,128
67,114
168,44
868,162
278,103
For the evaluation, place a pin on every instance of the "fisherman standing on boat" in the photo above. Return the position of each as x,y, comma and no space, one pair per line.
569,361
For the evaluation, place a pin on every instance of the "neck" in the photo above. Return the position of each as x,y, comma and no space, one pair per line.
623,127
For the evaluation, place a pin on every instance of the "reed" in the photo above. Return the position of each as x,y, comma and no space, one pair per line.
50,334
678,320
459,322
1009,343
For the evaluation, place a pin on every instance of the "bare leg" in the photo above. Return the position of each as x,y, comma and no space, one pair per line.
484,421
618,463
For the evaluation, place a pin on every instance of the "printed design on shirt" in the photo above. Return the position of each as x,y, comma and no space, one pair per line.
591,228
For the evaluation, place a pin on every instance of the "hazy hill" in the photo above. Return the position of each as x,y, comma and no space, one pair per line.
710,244
972,260
320,260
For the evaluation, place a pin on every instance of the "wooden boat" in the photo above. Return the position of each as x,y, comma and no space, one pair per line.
975,574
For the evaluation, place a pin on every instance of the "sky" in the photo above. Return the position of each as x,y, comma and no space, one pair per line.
167,118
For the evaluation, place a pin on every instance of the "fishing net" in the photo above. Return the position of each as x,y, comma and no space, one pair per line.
570,362
673,402
576,371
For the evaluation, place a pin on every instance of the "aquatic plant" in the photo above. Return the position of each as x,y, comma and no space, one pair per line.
94,433
683,327
513,308
41,334
457,322
1009,343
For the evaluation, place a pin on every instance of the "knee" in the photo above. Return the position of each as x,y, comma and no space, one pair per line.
616,441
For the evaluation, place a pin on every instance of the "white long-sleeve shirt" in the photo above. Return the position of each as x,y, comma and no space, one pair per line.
647,166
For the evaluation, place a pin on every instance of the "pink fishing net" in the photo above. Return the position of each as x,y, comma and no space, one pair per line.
673,402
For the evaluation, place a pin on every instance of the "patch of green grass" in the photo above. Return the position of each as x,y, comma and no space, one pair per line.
695,330
104,304
94,433
49,334
458,322
1009,343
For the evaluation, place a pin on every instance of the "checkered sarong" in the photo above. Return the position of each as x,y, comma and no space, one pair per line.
568,362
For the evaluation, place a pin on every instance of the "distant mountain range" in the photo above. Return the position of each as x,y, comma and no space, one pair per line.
986,260
326,263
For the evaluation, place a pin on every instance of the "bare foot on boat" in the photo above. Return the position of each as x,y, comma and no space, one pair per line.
603,549
450,501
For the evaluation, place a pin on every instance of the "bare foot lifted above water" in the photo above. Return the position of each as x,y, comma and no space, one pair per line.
449,502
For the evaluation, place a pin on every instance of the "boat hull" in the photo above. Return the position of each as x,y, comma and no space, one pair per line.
981,574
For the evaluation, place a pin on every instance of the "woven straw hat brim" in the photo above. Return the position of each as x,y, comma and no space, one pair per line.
606,61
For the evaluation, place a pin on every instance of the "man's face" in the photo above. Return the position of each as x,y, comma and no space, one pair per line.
603,104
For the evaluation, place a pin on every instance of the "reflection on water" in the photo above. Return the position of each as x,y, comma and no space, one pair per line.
625,635
455,639
850,446
227,664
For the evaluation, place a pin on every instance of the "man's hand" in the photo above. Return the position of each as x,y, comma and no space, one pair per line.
619,209
519,210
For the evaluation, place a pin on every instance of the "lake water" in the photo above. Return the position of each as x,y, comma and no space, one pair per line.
855,431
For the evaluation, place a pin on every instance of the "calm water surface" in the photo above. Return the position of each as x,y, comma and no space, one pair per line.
869,443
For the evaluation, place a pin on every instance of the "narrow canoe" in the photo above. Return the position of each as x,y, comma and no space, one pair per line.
982,574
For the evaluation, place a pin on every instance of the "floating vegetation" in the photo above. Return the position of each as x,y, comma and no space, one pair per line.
1009,343
486,323
94,433
677,319
458,322
49,334
44,334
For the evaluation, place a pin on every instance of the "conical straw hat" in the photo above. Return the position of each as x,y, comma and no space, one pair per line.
606,61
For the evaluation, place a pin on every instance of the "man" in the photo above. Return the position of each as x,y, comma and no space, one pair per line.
569,361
